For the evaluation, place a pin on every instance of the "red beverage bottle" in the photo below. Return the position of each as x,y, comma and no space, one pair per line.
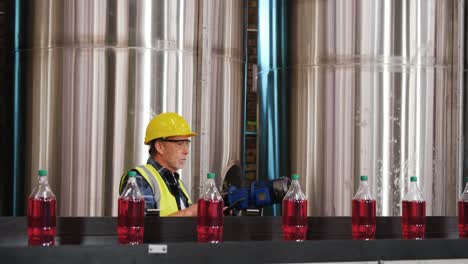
210,213
413,214
41,214
463,212
131,213
363,213
294,219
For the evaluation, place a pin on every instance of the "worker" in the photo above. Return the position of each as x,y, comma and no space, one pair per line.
168,136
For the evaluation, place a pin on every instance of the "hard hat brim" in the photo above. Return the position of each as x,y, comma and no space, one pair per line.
191,134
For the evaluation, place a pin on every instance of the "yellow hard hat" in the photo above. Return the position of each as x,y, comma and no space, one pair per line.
167,125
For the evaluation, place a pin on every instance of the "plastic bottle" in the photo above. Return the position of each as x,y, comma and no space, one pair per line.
295,212
210,213
463,212
41,214
363,215
131,213
413,222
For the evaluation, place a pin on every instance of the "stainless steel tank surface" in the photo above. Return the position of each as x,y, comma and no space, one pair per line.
375,90
96,72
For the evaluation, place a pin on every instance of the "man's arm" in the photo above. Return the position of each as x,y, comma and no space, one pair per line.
189,211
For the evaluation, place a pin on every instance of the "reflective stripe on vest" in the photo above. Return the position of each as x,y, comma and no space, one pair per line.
165,200
145,172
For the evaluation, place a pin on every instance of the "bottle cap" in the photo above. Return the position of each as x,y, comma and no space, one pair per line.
363,178
295,176
42,173
211,175
132,174
413,179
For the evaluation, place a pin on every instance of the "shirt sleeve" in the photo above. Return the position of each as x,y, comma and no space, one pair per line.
145,190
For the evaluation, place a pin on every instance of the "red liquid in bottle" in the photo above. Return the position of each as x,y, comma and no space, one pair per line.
41,221
363,219
462,219
130,221
295,220
210,221
413,220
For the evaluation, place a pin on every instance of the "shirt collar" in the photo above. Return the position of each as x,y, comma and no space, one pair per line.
163,171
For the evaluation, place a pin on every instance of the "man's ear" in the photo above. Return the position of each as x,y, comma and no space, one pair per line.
159,147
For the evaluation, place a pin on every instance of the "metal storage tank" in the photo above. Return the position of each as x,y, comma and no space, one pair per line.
95,72
364,87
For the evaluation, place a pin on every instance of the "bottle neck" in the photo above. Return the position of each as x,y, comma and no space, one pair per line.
295,183
131,189
295,192
363,192
43,180
295,186
131,180
364,186
414,193
210,183
42,190
211,191
413,186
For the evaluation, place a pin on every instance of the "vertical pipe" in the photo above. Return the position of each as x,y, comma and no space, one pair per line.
18,119
244,88
274,95
6,104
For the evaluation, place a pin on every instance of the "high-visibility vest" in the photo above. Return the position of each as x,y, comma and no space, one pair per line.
166,201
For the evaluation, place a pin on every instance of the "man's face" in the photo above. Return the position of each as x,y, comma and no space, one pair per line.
173,152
